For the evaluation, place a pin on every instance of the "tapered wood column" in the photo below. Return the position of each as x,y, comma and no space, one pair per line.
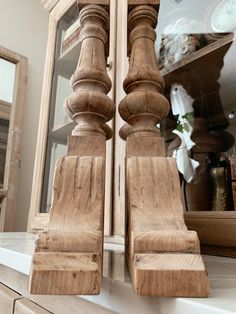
164,257
68,254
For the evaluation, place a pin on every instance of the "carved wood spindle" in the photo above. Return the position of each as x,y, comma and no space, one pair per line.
163,256
68,254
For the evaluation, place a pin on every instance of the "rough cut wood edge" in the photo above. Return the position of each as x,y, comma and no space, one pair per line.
170,275
66,273
13,156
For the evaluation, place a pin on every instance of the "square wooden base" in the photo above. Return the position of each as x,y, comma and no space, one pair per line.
65,273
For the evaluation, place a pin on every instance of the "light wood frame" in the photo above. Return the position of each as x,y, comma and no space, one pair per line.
37,220
13,156
49,4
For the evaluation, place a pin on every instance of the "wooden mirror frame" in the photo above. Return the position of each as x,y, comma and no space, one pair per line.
13,154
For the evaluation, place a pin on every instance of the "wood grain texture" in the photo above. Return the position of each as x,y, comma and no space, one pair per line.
25,306
140,2
170,275
68,254
156,225
86,146
82,3
165,241
58,304
149,146
155,215
75,228
7,299
79,241
66,273
210,231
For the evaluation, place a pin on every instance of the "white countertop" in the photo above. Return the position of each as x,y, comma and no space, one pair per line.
117,294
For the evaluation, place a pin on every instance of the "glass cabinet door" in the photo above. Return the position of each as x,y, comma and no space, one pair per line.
60,126
63,50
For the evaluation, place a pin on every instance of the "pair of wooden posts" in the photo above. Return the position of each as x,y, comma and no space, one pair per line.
163,256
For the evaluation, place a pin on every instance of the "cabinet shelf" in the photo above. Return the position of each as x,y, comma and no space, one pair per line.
200,63
68,60
60,133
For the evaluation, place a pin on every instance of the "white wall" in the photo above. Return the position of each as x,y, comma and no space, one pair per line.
24,28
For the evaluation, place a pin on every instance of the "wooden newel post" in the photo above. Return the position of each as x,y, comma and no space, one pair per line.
68,254
163,256
89,106
144,106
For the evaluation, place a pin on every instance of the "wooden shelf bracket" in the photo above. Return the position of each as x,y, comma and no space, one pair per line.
68,254
163,256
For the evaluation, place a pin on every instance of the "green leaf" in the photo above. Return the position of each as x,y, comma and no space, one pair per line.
186,127
179,128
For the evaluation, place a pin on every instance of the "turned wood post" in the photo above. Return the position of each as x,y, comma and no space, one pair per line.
68,254
144,106
163,256
89,106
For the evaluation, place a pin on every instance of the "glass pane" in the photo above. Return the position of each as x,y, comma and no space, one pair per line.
66,58
196,50
7,78
4,128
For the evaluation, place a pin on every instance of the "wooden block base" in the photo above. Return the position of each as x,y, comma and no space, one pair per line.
170,275
51,273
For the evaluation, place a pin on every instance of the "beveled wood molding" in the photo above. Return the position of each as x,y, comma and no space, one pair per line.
68,254
163,256
49,4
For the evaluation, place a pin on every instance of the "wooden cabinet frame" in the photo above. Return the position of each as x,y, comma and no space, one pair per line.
37,220
216,230
13,159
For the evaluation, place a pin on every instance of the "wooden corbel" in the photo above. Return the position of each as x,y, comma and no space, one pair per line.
163,256
68,254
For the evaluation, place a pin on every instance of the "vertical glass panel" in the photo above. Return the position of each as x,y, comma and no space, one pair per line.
7,78
66,58
196,51
4,128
